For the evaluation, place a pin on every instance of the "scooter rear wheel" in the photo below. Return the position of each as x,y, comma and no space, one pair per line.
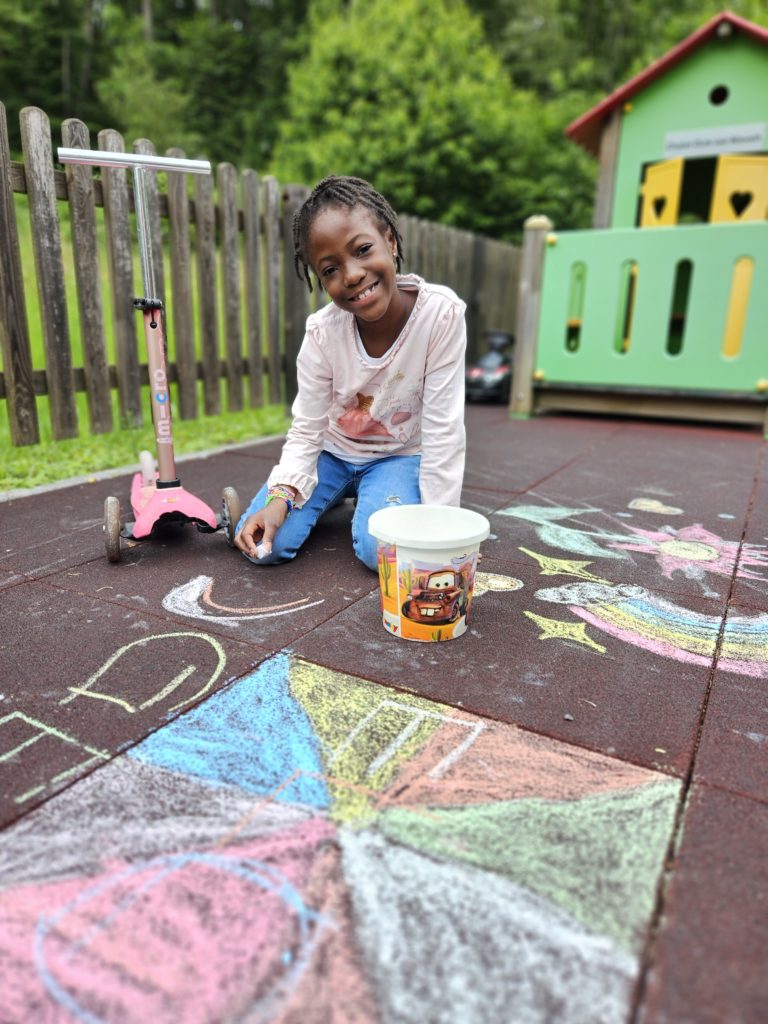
112,528
230,506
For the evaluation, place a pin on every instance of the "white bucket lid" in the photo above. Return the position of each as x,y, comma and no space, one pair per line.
429,526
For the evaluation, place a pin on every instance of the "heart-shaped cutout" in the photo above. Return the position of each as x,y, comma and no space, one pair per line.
740,201
658,205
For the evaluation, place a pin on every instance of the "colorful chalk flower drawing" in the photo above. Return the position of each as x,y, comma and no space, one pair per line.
695,551
306,846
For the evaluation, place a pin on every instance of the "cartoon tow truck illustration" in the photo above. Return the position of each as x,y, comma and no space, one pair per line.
441,598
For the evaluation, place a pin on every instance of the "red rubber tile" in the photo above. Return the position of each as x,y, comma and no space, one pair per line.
90,678
709,958
733,752
616,672
197,581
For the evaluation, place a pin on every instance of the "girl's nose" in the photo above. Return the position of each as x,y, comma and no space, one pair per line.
353,273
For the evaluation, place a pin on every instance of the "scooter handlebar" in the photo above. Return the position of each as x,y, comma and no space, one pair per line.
101,158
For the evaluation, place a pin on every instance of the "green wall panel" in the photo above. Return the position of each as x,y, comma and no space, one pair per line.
682,303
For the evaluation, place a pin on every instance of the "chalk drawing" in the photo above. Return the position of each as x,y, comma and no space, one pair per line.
339,854
558,629
87,690
694,551
485,582
655,506
636,615
24,742
193,600
643,619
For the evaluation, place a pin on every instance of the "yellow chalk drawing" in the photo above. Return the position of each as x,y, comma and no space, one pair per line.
486,581
563,567
41,732
364,747
86,689
556,629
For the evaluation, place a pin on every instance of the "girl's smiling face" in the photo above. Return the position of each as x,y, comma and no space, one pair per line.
354,260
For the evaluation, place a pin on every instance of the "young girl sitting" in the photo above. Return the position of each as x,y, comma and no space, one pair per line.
379,414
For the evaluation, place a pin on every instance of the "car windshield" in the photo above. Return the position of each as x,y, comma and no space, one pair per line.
491,360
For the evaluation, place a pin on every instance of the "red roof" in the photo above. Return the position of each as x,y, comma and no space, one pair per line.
587,129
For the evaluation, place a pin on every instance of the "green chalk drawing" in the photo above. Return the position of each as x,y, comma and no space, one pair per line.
598,857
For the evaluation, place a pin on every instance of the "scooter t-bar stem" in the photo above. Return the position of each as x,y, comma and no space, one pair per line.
102,158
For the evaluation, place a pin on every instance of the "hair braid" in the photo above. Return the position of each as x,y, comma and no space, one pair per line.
339,190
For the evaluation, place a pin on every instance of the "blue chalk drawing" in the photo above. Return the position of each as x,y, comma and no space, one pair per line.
253,735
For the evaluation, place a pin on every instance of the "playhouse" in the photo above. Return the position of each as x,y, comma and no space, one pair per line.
662,308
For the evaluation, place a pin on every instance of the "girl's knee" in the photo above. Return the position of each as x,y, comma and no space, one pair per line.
367,550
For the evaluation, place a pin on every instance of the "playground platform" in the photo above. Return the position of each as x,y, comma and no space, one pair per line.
228,794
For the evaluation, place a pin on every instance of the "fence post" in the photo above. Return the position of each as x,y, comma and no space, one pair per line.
205,237
181,287
527,323
46,242
82,211
252,231
120,262
14,329
295,291
226,177
272,258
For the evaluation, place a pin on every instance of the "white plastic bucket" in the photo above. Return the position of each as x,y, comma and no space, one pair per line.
427,563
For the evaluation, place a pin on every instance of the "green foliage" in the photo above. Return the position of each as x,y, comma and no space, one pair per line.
443,136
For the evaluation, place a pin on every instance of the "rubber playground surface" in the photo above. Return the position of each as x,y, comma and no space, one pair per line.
229,794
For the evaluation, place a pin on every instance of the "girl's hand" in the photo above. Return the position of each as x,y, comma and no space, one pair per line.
260,528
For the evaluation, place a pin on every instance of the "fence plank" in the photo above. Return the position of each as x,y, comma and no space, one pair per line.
230,273
295,291
205,238
118,231
272,260
49,269
181,285
85,246
251,231
14,329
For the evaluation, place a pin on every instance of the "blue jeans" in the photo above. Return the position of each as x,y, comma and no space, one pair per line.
390,481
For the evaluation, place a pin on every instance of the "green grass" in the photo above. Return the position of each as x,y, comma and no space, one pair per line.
51,461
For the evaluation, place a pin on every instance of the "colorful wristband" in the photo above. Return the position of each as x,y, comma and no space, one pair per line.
284,494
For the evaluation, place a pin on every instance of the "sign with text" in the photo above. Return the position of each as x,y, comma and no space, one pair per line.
739,138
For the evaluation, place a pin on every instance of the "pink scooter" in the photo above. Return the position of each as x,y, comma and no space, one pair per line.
157,497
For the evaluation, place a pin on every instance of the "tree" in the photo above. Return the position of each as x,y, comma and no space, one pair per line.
411,97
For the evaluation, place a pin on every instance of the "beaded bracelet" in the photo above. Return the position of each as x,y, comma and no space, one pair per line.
284,494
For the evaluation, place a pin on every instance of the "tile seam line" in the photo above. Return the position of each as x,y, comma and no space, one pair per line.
647,958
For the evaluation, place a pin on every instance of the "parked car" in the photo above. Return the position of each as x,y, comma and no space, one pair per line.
490,378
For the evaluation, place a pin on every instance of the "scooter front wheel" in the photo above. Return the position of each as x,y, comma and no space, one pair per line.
112,528
230,507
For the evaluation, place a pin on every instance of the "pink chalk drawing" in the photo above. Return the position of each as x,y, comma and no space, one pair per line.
694,551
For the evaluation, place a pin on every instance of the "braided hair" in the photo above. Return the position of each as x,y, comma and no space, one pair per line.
339,190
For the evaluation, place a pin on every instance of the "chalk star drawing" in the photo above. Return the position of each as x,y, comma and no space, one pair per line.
193,600
562,567
557,629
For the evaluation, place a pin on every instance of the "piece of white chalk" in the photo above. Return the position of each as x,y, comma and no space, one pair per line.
263,549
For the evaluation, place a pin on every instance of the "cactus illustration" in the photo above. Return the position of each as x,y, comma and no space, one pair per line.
385,571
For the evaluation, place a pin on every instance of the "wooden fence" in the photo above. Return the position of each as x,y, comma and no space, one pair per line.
235,307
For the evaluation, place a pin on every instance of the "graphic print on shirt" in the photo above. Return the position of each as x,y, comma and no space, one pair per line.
357,422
